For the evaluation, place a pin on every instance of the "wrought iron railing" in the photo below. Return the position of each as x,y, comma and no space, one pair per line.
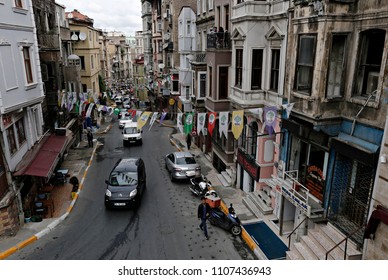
342,241
292,232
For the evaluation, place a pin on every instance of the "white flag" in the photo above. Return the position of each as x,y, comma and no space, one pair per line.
179,122
153,118
201,118
223,123
257,111
288,108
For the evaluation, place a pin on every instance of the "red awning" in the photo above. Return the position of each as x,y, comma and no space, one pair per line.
46,158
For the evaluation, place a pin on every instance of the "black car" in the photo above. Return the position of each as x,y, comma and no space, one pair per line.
126,184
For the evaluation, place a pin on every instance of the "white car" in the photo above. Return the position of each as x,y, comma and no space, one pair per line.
124,120
118,100
131,134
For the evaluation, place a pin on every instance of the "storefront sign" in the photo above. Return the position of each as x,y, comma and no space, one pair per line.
248,164
296,201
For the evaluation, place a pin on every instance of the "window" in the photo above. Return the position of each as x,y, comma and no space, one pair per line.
11,140
211,5
19,3
188,27
252,140
336,70
275,64
84,88
305,63
223,83
371,51
203,6
20,131
239,67
175,82
198,7
226,13
187,92
257,69
92,60
210,71
27,64
202,85
82,58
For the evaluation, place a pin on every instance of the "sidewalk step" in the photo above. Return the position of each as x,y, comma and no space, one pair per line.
229,171
252,207
222,180
264,208
227,178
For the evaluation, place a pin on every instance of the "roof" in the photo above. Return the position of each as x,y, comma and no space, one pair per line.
127,164
183,154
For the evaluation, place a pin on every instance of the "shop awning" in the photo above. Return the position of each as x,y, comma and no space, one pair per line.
46,159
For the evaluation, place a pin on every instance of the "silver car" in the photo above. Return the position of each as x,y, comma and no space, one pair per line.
182,165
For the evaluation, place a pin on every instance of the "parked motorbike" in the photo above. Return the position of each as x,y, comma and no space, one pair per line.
229,222
200,186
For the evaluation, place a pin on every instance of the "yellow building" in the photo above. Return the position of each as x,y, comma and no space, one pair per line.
86,45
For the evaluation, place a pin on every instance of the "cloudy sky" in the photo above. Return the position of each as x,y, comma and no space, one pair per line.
111,15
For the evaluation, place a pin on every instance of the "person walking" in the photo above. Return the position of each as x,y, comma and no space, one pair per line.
188,141
203,214
90,138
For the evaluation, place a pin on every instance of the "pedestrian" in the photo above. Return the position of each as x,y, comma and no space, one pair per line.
90,138
188,141
203,213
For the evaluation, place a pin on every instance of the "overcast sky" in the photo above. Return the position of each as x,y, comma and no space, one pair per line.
109,15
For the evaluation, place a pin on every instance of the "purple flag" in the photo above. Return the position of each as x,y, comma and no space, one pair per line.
270,119
164,114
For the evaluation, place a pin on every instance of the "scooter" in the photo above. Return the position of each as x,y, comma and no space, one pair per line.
200,186
229,222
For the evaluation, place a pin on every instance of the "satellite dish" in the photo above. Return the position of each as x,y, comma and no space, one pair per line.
74,37
70,15
82,36
161,66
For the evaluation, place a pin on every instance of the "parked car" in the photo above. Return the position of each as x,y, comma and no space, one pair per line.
123,112
126,184
131,134
124,120
127,104
182,165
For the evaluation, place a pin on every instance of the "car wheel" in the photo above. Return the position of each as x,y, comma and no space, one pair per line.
141,141
236,230
172,177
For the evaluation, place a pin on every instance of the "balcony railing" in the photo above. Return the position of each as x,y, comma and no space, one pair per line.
219,40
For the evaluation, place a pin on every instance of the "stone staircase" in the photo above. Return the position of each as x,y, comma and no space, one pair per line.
318,241
258,203
225,177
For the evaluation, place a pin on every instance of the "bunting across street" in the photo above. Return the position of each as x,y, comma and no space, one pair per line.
223,123
212,122
189,123
153,118
237,123
201,118
179,122
143,119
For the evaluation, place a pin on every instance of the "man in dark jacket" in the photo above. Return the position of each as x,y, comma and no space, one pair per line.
203,214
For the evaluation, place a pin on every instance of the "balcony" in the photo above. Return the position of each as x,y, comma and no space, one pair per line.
47,41
219,40
217,105
250,9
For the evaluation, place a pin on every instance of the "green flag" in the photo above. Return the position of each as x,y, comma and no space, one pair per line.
189,123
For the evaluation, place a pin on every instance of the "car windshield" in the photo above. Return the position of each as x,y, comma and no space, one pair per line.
130,130
123,178
185,160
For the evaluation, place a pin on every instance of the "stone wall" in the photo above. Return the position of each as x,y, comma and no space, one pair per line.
9,218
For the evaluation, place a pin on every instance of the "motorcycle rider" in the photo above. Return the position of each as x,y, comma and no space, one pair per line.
203,213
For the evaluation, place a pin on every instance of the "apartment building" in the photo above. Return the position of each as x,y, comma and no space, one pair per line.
336,82
21,98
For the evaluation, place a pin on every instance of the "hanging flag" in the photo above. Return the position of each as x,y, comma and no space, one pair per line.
179,122
164,114
138,114
200,122
153,118
211,122
288,108
258,112
89,111
189,122
237,123
77,110
143,119
270,119
223,123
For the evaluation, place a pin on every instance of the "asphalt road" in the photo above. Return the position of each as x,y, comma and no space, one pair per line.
164,227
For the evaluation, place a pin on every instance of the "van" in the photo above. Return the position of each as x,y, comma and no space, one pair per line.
126,184
131,134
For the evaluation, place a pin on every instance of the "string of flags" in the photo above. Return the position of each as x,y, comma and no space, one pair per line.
185,121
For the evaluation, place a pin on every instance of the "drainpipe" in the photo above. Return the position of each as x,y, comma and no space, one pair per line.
362,108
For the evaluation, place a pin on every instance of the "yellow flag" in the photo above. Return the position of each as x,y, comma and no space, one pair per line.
237,123
143,119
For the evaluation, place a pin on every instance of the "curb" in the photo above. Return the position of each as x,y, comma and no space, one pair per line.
54,223
244,234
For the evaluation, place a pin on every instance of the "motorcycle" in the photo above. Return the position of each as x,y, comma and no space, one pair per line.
200,186
229,222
